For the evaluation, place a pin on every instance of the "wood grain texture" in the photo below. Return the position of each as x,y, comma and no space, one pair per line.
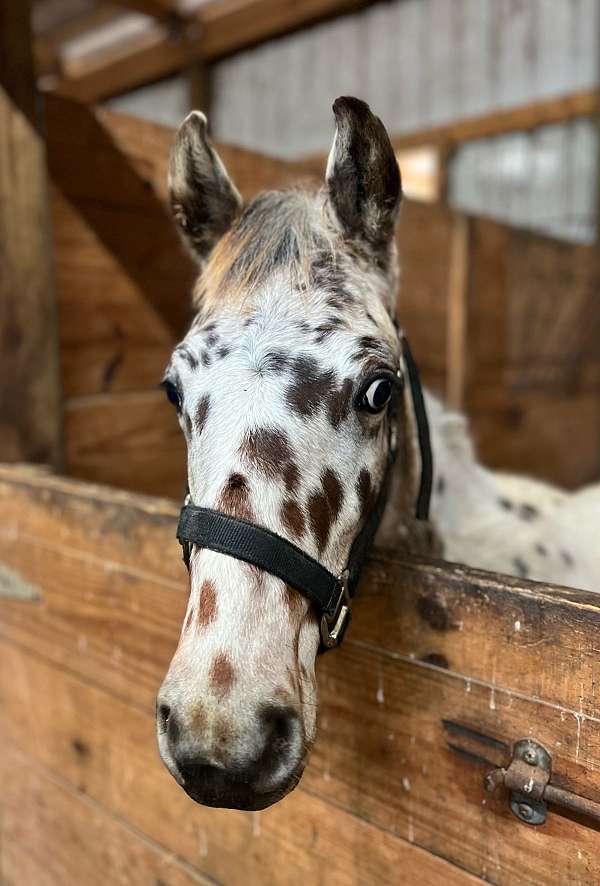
52,834
130,440
430,645
302,840
30,397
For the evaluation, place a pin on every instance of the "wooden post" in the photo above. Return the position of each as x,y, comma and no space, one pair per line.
458,283
30,402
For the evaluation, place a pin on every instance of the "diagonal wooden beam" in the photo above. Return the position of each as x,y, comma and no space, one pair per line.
216,29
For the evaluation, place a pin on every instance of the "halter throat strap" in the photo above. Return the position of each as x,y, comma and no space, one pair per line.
329,593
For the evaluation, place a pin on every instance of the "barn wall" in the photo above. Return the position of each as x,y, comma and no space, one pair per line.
543,180
422,63
419,62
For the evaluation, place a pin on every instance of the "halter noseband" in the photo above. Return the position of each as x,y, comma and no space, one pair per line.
331,594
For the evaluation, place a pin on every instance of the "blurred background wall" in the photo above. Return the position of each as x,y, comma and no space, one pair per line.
423,63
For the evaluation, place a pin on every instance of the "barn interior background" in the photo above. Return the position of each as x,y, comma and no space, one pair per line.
493,107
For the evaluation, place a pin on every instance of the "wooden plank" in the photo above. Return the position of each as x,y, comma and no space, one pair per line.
429,644
51,834
30,399
533,325
111,341
131,441
304,840
77,525
216,29
523,117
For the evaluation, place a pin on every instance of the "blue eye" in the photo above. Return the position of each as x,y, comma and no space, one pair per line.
172,394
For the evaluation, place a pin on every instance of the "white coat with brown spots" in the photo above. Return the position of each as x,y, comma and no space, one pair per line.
282,387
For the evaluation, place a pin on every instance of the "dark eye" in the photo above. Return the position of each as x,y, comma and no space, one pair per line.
172,394
377,395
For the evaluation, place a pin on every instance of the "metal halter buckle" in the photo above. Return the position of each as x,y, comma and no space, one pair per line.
333,626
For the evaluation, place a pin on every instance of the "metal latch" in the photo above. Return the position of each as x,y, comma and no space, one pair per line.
528,780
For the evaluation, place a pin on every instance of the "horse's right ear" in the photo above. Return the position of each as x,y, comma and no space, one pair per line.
204,200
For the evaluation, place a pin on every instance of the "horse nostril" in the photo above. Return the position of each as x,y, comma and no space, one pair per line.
280,726
163,713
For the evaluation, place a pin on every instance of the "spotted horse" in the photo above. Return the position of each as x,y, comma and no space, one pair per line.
295,393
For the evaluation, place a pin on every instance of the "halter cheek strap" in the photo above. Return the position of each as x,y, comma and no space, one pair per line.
329,593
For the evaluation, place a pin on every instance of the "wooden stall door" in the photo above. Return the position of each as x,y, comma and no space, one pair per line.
442,670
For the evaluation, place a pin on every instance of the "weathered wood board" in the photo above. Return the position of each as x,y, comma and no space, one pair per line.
30,393
435,654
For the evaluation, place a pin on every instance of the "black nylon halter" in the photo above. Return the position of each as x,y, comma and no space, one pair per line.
330,594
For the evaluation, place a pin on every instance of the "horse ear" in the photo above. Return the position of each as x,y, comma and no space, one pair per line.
204,200
363,178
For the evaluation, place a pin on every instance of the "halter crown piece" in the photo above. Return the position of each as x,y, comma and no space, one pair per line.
330,594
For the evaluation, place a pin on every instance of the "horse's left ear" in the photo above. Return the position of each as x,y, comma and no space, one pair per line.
363,177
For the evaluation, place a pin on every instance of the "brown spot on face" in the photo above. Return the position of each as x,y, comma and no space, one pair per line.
186,354
268,449
222,675
320,519
234,499
311,388
207,608
293,518
223,732
333,492
324,506
324,331
339,403
197,718
202,413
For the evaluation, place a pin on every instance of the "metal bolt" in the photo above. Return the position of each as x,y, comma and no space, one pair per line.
530,756
525,811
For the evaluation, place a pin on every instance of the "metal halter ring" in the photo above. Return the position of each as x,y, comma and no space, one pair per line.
333,626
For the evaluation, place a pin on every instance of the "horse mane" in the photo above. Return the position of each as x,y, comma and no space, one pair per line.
278,231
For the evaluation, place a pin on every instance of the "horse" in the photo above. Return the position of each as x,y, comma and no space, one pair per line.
292,390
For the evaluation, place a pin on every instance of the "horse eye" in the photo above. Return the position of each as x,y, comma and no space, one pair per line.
377,396
172,394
